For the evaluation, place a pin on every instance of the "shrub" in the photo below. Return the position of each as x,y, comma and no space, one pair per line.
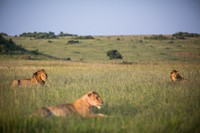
84,37
127,62
157,37
36,52
49,41
114,54
26,57
73,41
67,59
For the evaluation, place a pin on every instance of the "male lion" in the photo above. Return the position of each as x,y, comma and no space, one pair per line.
174,76
80,107
39,77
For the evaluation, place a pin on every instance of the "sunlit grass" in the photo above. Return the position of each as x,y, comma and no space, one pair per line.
138,97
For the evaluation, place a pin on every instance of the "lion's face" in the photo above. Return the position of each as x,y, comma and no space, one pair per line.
94,99
41,74
175,76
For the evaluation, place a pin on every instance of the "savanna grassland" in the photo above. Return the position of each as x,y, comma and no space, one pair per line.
137,92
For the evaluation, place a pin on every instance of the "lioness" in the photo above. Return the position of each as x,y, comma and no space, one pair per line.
174,76
80,107
39,77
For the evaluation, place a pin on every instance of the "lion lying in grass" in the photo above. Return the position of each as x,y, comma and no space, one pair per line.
80,107
39,77
175,76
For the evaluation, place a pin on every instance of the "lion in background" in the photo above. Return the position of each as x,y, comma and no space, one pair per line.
80,107
175,76
39,77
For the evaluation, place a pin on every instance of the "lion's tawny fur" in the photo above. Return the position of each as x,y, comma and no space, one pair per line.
175,76
39,77
80,107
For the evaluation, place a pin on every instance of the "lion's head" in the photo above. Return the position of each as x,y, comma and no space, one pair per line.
41,76
174,76
94,99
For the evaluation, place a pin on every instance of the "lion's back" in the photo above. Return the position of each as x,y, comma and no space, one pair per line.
63,110
44,111
22,82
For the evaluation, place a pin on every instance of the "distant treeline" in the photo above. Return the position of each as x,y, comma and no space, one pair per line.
39,35
45,35
157,37
182,35
52,35
178,35
84,37
61,34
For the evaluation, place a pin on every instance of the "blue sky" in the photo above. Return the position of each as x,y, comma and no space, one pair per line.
100,17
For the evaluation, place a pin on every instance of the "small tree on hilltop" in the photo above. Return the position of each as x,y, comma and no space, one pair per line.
114,54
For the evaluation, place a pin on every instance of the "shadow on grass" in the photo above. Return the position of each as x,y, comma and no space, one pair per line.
9,47
53,57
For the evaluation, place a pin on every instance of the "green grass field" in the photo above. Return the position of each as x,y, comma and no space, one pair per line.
133,49
139,98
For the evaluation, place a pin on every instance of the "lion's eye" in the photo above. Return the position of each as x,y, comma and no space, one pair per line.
97,97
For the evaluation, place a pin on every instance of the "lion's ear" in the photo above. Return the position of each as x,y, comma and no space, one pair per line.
35,74
89,94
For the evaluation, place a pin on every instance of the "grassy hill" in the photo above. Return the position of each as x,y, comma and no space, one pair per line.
132,48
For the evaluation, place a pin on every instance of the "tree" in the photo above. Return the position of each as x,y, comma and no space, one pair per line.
8,46
114,54
61,34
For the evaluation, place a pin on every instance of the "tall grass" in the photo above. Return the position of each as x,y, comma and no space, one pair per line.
138,97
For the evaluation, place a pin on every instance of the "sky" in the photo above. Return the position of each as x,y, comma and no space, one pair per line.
100,17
